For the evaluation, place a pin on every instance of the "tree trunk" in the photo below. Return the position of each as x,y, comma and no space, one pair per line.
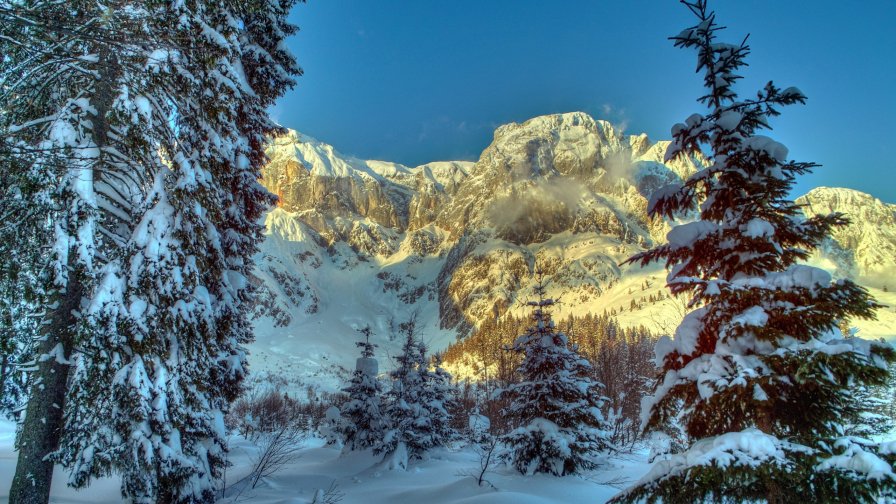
4,366
7,350
42,427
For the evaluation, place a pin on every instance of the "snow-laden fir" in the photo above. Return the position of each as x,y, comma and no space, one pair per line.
758,383
134,133
555,406
361,422
416,407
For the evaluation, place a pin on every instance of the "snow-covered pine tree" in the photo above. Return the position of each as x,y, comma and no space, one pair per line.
19,297
403,438
877,416
439,400
415,406
168,355
758,374
53,156
18,326
555,406
147,121
363,424
22,234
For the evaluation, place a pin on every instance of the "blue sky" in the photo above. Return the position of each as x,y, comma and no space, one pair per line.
418,80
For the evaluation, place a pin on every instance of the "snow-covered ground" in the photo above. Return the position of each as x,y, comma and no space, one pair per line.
445,477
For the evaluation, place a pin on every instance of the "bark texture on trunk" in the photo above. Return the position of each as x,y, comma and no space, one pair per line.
42,427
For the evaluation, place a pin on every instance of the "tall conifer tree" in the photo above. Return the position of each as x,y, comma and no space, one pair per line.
55,85
416,406
21,283
362,423
147,122
439,400
758,373
555,406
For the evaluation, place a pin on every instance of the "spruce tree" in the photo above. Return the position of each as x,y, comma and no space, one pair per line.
416,406
362,424
169,363
21,282
404,438
53,154
146,122
758,374
22,234
19,297
439,400
20,294
555,407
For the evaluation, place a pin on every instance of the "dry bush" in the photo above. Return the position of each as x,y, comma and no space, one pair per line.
277,449
264,411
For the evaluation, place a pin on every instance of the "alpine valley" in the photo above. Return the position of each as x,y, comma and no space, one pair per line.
356,242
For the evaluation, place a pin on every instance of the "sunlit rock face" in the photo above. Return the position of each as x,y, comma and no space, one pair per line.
866,248
538,188
457,242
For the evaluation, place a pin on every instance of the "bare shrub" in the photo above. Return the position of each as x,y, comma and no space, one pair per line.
265,411
331,495
263,408
276,450
277,424
486,450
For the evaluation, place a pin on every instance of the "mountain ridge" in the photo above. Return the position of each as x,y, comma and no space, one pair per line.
358,241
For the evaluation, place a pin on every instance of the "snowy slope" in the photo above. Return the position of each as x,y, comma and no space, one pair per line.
358,242
361,479
308,336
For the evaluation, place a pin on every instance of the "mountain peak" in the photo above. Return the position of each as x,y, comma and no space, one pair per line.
559,123
357,240
842,197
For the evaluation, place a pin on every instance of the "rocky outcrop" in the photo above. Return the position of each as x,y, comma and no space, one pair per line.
866,248
564,193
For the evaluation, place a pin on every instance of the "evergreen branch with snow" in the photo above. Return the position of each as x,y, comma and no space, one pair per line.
758,375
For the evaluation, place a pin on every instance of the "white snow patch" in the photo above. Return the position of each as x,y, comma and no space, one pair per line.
856,458
749,448
754,316
757,228
774,149
685,235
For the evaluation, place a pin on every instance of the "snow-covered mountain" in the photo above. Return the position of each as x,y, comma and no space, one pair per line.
358,242
866,249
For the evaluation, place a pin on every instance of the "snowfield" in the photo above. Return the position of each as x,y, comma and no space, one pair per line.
446,476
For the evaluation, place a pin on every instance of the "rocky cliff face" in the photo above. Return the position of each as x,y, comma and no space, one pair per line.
358,242
866,248
542,188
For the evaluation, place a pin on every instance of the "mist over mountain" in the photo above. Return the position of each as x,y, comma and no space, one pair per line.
356,242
